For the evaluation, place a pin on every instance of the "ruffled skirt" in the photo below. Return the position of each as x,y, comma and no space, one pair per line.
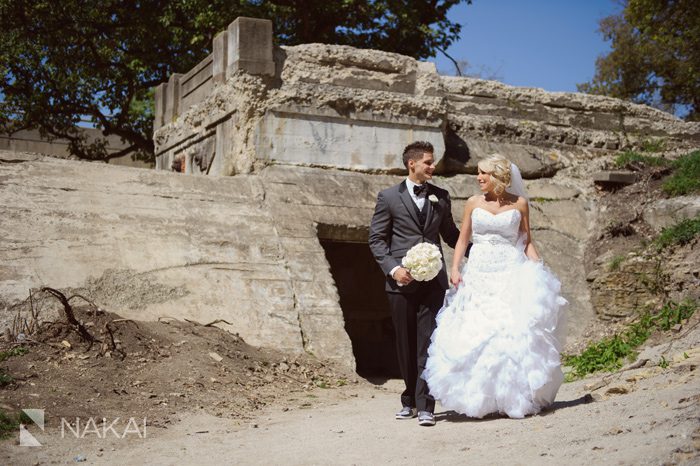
498,337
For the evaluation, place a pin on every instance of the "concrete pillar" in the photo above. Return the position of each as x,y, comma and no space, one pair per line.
160,100
220,61
172,99
250,46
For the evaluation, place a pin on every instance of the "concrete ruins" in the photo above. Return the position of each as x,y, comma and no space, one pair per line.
301,140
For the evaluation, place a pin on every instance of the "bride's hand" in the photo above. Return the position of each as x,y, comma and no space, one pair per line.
455,277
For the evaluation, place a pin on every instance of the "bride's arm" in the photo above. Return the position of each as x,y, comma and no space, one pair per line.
465,233
530,249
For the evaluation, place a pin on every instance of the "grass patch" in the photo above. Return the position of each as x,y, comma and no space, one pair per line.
17,351
610,353
615,263
634,159
653,145
685,178
10,423
681,233
5,379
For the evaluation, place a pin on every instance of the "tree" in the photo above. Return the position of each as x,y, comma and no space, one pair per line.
655,56
63,62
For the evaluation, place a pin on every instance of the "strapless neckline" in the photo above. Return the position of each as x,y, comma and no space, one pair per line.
497,213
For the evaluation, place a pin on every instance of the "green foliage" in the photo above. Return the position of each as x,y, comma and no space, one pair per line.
610,353
685,178
654,57
615,263
8,424
679,234
5,379
17,351
631,159
69,61
653,145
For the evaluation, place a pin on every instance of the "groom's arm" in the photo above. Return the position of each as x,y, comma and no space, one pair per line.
380,236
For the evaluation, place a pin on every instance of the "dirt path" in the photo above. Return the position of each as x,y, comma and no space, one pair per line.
642,416
249,406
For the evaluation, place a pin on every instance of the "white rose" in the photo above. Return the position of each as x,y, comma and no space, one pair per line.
424,261
432,198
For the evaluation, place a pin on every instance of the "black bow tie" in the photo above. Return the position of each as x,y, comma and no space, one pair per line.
418,189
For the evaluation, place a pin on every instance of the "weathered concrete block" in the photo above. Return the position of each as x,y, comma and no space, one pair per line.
317,140
614,178
172,99
250,46
160,103
667,212
220,52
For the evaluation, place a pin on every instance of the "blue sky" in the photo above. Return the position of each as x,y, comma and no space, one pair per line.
551,44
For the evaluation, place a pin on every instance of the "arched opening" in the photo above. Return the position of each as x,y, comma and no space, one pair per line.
360,284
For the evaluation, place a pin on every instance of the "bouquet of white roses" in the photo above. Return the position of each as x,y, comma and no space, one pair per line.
424,261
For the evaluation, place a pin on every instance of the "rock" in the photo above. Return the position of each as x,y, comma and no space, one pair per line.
621,292
614,179
594,385
544,190
619,390
664,213
215,357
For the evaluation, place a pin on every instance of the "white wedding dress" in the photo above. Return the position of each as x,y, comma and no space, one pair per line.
498,337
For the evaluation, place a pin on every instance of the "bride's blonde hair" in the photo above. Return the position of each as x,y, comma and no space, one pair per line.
499,168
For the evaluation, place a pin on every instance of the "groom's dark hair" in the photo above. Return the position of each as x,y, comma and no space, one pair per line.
415,151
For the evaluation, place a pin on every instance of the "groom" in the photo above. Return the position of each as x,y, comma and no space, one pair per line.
407,214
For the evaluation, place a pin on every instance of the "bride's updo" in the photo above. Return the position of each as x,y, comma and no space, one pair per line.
499,168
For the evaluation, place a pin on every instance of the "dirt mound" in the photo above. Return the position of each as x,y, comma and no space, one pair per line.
151,369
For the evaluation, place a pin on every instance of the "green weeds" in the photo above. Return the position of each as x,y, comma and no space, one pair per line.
685,178
10,423
17,351
615,263
679,234
610,353
632,159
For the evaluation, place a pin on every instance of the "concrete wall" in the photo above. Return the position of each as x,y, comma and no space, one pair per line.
337,106
246,249
32,141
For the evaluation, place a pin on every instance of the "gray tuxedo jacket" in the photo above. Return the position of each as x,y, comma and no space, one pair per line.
395,229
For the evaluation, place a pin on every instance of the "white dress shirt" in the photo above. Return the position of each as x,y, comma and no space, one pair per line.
419,200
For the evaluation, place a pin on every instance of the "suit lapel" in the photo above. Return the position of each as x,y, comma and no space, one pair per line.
408,202
429,206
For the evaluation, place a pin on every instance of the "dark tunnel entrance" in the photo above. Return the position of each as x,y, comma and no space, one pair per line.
360,284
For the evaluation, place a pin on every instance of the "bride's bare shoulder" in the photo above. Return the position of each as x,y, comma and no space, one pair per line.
473,202
521,204
475,199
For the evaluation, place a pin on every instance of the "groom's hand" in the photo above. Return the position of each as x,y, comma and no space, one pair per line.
455,278
403,276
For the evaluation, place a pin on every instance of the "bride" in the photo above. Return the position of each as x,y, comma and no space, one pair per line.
498,337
